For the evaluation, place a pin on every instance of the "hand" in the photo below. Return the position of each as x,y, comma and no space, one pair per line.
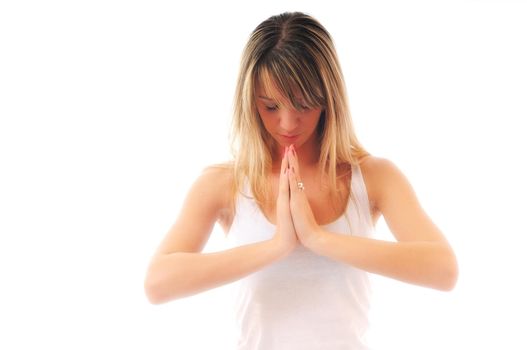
306,227
285,235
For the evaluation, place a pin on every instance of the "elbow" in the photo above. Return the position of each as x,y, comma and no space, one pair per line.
155,285
448,281
160,289
152,292
449,273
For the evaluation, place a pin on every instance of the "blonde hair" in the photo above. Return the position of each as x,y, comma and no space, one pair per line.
295,53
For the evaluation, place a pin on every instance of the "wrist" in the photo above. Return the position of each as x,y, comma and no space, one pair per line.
316,240
281,247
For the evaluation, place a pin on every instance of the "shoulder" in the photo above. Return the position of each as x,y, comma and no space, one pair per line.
382,178
216,181
202,207
379,175
219,171
374,165
210,188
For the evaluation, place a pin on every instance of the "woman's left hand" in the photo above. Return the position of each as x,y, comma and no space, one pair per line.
306,227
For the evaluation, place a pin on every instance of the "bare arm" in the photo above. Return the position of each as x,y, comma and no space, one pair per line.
429,264
421,254
179,269
180,274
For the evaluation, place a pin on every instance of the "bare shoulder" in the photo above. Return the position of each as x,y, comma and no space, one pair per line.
216,181
202,208
377,172
397,201
382,175
374,166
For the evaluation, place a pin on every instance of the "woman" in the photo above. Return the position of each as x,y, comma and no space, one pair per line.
301,207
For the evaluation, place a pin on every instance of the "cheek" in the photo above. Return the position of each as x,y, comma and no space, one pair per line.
266,121
314,120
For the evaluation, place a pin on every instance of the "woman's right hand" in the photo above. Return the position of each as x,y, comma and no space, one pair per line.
285,235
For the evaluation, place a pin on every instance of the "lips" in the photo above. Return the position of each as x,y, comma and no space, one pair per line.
290,136
289,139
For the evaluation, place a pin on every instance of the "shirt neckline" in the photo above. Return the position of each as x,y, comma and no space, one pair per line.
339,218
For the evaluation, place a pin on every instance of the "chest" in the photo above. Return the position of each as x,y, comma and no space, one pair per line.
326,207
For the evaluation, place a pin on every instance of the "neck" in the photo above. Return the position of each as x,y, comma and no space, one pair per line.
308,155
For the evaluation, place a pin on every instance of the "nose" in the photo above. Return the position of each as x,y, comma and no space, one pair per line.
288,120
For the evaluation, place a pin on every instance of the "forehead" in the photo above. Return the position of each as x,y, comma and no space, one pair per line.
267,88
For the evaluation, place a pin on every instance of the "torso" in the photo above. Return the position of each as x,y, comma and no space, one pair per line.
318,198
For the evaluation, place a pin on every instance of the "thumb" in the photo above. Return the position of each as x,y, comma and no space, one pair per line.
283,186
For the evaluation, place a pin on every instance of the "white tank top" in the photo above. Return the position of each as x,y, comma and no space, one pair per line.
304,301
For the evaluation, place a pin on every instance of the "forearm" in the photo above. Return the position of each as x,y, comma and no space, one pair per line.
181,274
430,264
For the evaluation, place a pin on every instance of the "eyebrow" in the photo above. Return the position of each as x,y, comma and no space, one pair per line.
270,99
266,98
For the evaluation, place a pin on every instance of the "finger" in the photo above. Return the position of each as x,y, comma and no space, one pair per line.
293,181
283,185
285,162
293,160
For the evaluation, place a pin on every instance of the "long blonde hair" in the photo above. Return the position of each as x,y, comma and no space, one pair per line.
296,53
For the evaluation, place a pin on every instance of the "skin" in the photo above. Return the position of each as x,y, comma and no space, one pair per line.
421,255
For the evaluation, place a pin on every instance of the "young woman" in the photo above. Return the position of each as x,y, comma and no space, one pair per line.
299,204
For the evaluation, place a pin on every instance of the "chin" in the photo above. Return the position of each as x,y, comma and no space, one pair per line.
284,141
284,144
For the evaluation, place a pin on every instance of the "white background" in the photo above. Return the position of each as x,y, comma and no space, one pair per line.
110,109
